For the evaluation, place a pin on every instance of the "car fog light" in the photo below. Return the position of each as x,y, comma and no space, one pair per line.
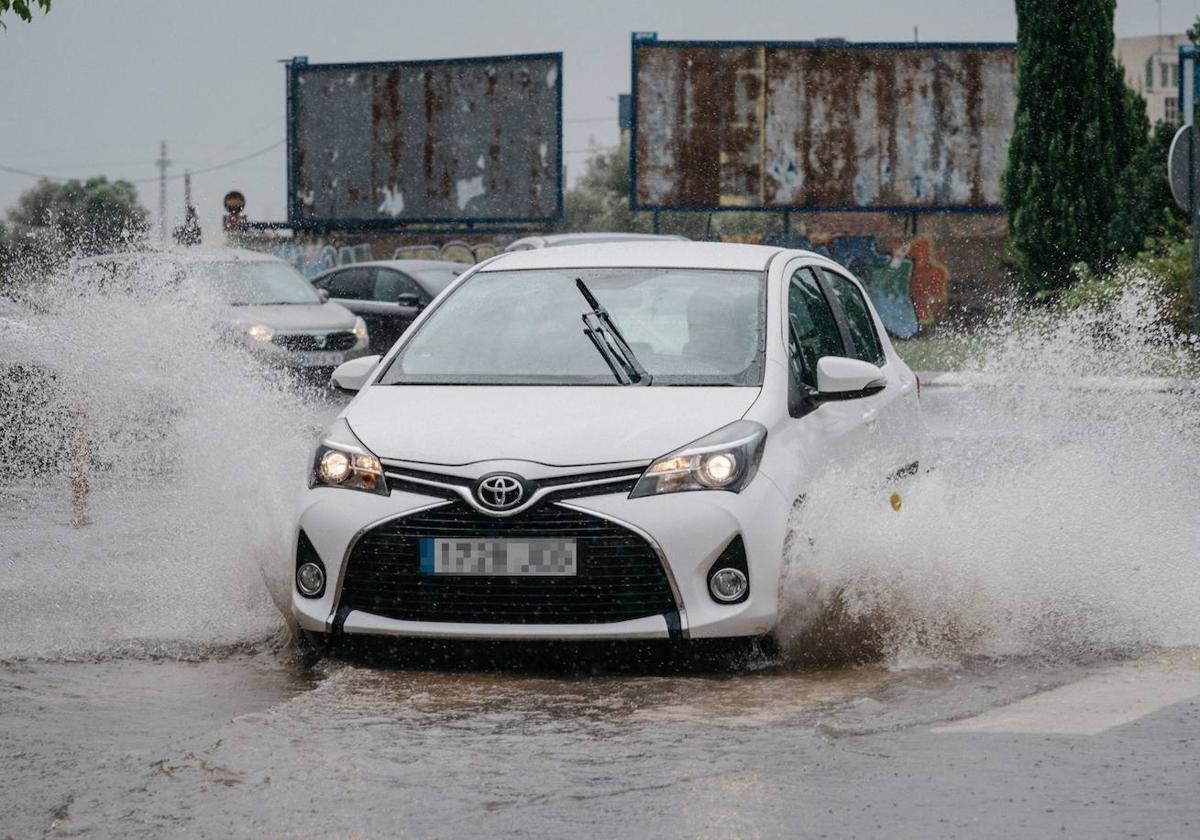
335,466
261,332
727,585
310,579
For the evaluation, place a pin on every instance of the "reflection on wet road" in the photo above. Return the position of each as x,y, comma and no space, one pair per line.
267,746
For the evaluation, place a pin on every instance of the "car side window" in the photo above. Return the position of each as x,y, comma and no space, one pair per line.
859,323
351,284
390,284
813,331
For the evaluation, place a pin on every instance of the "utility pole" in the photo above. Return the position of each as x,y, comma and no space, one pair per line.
162,163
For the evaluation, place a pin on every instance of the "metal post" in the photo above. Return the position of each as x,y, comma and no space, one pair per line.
80,472
162,164
655,222
1194,202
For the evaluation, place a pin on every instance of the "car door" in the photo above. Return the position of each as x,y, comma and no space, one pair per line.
884,413
397,300
813,331
351,287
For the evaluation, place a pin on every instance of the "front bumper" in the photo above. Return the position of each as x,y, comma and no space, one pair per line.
687,530
315,358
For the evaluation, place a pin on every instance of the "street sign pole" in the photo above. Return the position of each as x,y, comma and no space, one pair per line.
1183,168
1194,218
1185,185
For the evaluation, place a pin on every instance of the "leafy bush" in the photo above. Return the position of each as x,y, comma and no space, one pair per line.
1165,266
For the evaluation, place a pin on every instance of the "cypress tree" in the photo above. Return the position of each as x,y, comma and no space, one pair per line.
1075,130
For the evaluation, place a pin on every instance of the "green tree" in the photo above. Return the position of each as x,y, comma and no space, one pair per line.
81,217
1076,127
599,201
1193,32
1145,208
22,9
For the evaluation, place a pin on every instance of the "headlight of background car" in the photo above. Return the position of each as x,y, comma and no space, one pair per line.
342,461
725,460
360,329
261,332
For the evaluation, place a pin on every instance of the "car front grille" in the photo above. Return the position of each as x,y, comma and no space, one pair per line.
619,575
299,342
574,486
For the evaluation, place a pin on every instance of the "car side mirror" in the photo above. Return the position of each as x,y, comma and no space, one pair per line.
840,378
323,294
351,376
409,299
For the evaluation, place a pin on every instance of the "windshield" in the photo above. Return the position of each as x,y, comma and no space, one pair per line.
686,326
436,279
255,283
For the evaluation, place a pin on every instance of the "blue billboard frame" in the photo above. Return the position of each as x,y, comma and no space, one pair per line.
639,38
445,224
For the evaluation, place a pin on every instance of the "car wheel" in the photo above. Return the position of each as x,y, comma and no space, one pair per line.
314,641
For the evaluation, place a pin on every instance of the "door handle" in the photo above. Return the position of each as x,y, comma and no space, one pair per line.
871,417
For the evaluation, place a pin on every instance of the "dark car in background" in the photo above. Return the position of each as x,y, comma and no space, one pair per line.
388,294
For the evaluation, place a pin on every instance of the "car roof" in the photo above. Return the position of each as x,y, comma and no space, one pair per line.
659,254
558,239
402,265
197,254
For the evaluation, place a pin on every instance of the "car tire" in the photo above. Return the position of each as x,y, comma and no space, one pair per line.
314,641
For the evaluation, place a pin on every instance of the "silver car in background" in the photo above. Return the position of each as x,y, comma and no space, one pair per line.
267,304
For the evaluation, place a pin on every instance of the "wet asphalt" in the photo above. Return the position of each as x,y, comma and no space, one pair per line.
610,741
271,745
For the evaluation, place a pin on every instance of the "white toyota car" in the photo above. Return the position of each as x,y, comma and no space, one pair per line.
597,442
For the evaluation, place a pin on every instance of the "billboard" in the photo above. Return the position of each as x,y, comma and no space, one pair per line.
820,125
453,142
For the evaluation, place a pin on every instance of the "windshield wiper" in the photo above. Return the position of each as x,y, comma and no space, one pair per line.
599,327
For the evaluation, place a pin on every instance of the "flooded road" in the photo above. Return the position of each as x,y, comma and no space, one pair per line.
1012,655
263,745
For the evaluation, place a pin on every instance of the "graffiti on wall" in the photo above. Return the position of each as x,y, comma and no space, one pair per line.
314,256
907,280
311,258
453,251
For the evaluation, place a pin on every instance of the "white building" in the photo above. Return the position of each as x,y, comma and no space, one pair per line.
1152,69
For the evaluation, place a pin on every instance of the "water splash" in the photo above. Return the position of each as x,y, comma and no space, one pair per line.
194,457
1057,518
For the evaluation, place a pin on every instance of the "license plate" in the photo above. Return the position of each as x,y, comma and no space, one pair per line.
319,359
545,558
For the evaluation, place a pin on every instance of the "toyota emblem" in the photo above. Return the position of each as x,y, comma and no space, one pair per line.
500,491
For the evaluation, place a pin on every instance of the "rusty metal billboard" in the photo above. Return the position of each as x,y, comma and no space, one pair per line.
454,142
820,125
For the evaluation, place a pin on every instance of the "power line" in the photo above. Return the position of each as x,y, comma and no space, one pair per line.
225,165
595,150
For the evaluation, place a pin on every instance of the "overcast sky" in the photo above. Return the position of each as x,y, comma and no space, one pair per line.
91,88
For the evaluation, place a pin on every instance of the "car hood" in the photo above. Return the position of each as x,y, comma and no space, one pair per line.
294,316
558,426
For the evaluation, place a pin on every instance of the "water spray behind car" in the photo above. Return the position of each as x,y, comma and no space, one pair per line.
1056,516
183,450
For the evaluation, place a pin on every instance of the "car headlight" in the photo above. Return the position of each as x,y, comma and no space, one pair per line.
360,329
725,460
261,332
342,461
